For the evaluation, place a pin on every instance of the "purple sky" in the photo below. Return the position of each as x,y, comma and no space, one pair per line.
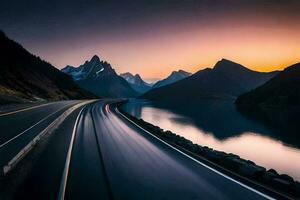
154,37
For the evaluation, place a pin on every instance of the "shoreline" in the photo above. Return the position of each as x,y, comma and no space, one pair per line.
255,175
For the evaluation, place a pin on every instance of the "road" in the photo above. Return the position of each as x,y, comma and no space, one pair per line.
113,159
98,154
18,128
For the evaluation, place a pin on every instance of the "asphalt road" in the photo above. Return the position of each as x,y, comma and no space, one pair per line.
42,179
110,158
96,153
18,128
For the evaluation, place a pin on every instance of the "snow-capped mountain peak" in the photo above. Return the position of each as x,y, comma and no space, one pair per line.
100,78
172,78
136,82
90,69
128,77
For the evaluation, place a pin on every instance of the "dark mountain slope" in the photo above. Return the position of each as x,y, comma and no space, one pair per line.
281,91
226,80
24,77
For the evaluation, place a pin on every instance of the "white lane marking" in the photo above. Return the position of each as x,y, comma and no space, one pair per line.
197,161
24,109
64,179
15,137
48,130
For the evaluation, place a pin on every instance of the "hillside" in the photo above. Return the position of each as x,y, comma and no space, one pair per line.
225,80
281,91
26,77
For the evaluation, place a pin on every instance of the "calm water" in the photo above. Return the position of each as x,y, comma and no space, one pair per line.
219,125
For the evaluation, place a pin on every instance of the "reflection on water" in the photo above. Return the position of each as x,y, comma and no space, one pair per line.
219,125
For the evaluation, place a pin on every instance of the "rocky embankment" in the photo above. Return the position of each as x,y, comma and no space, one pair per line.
239,168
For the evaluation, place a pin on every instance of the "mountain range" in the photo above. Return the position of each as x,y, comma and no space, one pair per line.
136,82
100,78
226,79
26,77
172,78
283,90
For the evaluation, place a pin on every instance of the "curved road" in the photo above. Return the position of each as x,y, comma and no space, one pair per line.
111,158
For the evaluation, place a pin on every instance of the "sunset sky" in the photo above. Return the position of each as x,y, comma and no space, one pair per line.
154,37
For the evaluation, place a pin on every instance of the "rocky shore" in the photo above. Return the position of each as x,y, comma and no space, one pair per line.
241,169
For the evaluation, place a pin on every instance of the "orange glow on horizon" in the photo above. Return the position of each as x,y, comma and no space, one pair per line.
156,54
258,49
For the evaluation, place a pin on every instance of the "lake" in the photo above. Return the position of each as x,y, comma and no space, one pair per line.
219,125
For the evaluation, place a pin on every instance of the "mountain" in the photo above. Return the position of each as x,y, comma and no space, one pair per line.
172,78
25,77
283,90
136,82
100,78
226,80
